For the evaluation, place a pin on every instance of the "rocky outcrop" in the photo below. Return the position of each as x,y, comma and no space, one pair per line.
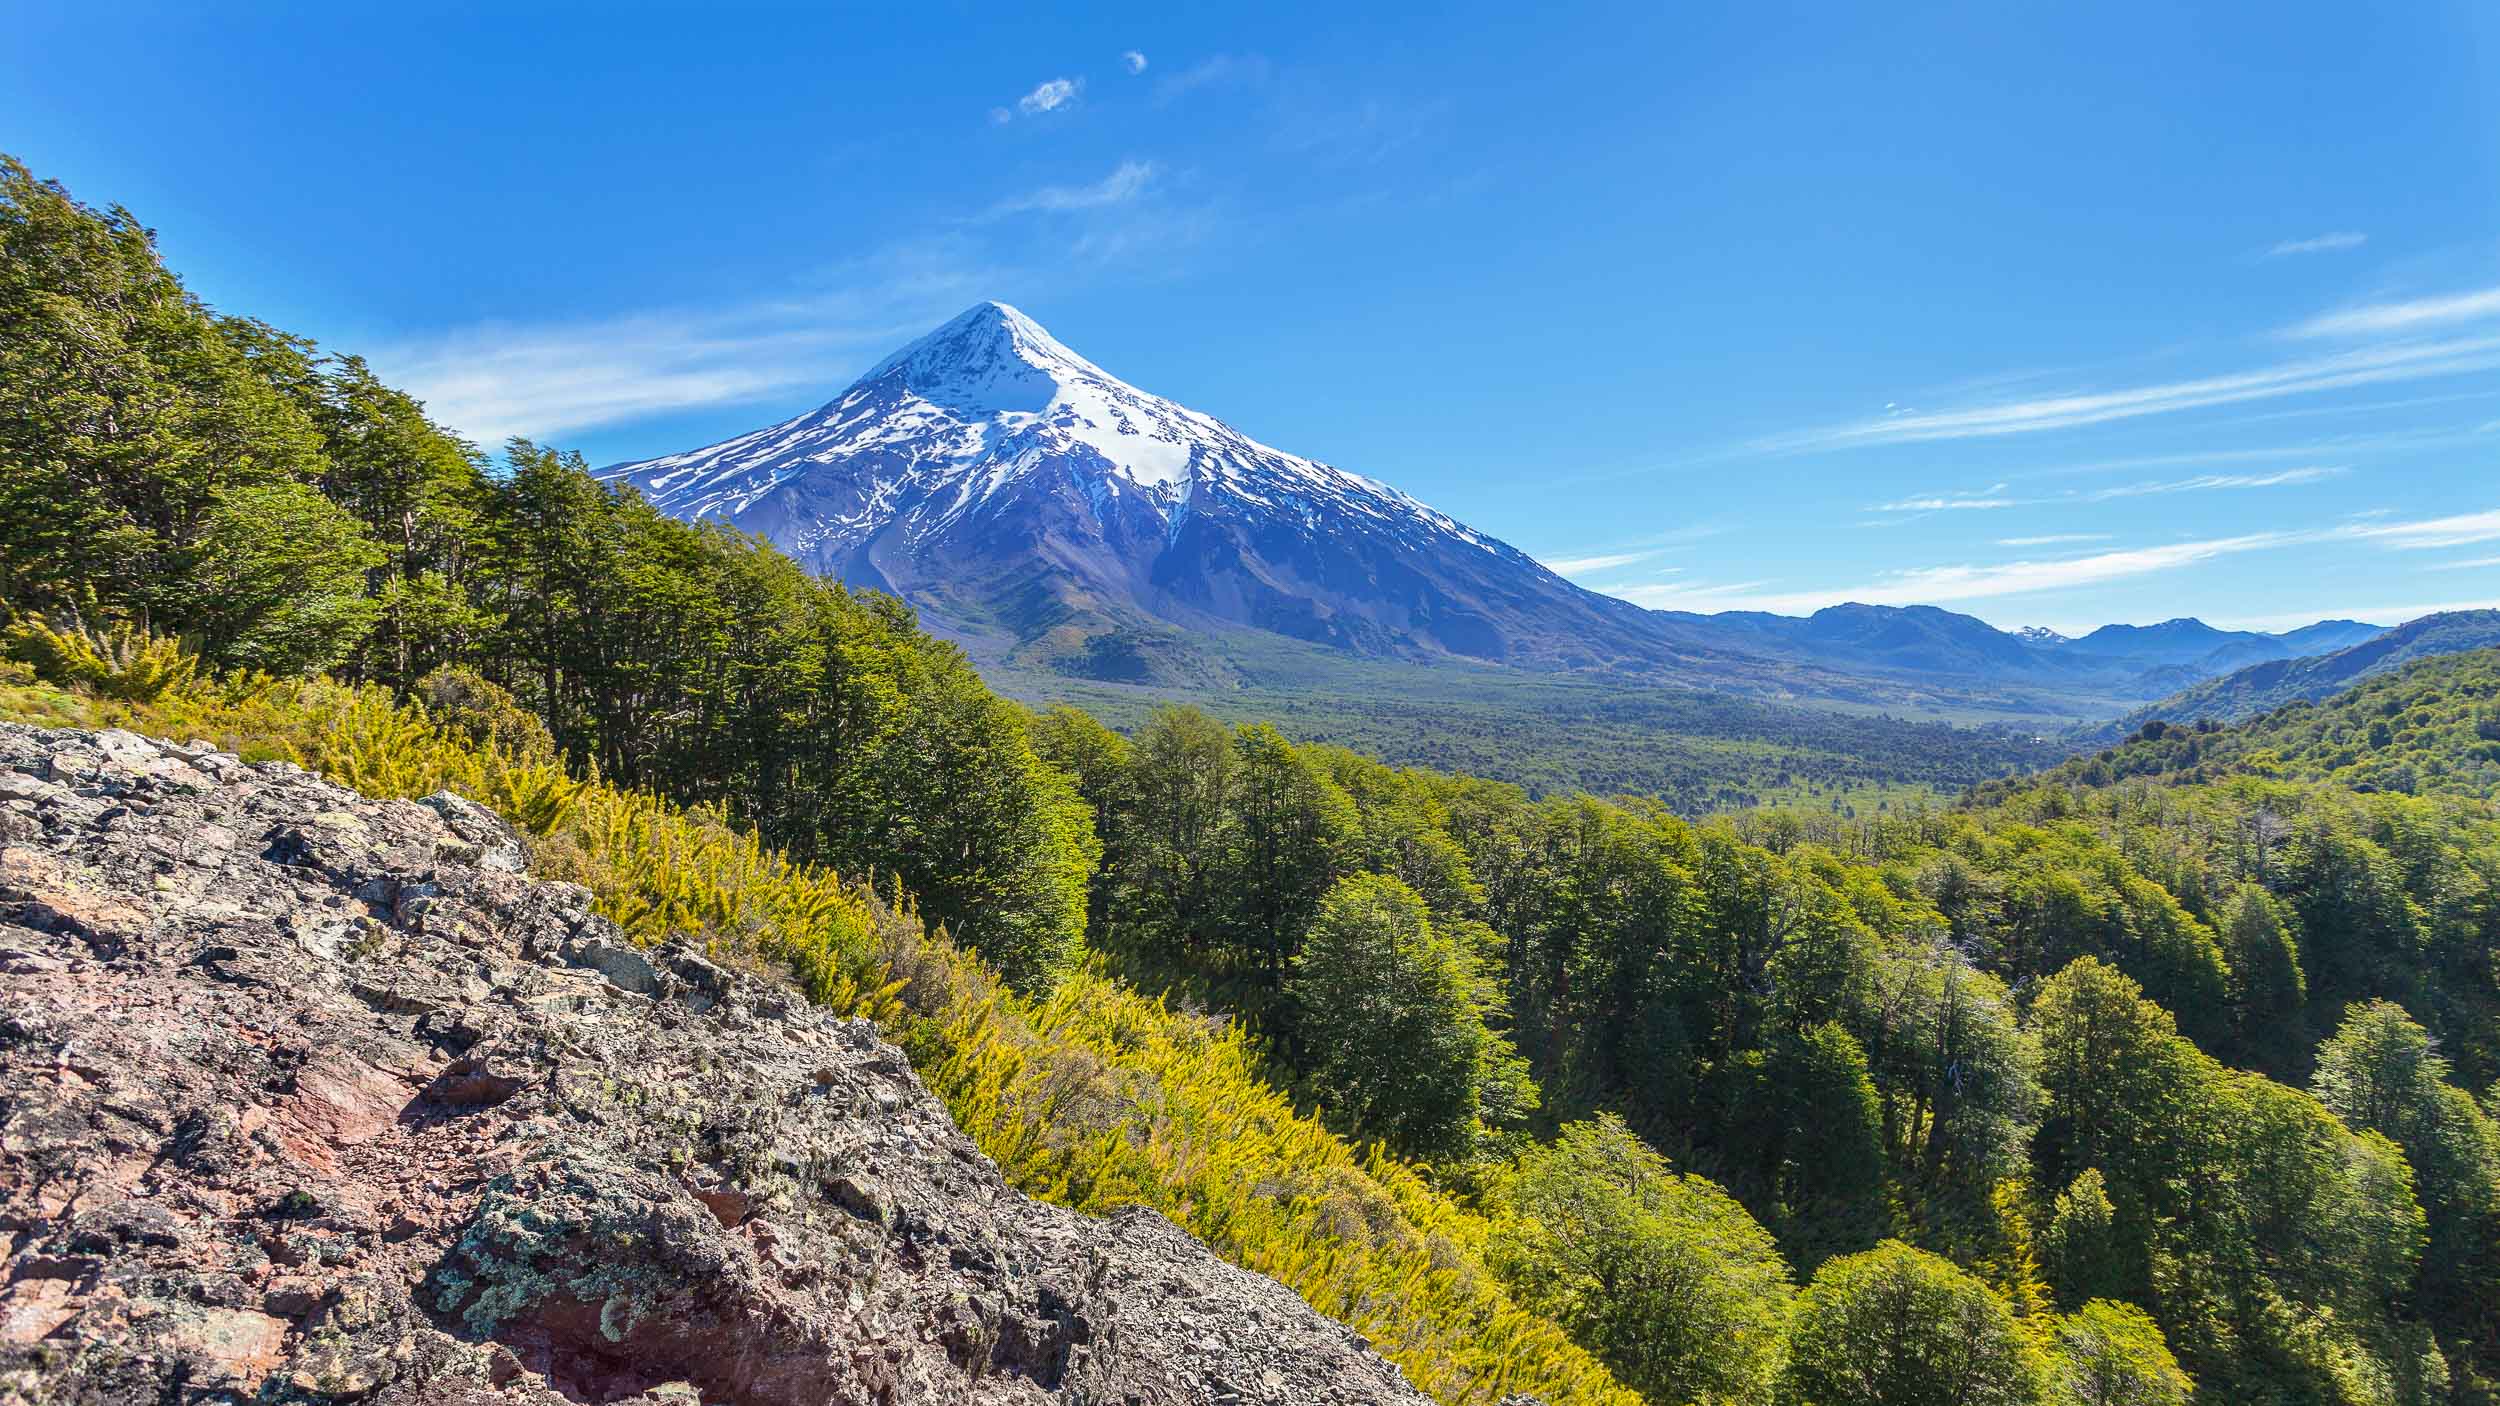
305,1097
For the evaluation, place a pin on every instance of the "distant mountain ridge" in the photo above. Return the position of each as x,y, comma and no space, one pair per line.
1926,638
2328,636
2170,642
1052,517
2262,687
2191,642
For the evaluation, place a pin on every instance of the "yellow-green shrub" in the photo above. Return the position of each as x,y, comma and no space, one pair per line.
1092,1096
122,661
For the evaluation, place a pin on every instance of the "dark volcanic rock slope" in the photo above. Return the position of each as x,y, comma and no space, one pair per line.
307,1097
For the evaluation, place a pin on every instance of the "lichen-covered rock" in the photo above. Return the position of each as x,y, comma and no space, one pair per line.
305,1097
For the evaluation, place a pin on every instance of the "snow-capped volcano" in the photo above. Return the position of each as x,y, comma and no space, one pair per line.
1047,513
981,405
1026,498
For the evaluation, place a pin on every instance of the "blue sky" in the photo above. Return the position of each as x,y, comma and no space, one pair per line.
2052,315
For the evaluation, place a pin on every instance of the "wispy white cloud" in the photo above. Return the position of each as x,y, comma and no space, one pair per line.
493,380
2334,243
1149,233
2361,366
2457,531
2366,407
1996,497
1925,585
2201,482
1321,122
2315,449
1937,585
2469,564
1668,595
1313,116
1048,96
1601,556
1689,532
1126,182
1584,566
496,380
2411,315
2053,539
1981,500
1132,60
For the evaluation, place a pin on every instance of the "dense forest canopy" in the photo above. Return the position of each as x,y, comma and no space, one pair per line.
2431,728
2173,1064
2096,1041
1553,734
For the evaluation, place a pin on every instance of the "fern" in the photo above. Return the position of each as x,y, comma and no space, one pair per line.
123,662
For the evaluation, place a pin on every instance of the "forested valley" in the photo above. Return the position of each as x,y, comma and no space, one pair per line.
2167,1073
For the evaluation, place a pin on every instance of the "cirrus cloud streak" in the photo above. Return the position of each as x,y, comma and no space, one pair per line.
2401,361
1937,585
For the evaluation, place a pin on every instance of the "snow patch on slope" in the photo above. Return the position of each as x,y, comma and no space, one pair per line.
943,427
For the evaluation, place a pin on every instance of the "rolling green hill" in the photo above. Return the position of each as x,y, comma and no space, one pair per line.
2428,727
2255,689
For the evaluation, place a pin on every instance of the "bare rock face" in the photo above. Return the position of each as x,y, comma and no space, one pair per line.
305,1097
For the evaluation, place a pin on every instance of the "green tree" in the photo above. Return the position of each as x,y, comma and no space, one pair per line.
2268,989
420,491
2079,1251
125,411
996,841
1101,763
279,579
1293,830
1405,819
1895,1326
2124,1096
2358,927
1664,1276
2379,1072
2111,1354
877,749
1182,773
1607,967
545,553
1815,1139
1393,1022
1956,1074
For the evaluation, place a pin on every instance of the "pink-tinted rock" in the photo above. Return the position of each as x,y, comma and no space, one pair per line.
313,1098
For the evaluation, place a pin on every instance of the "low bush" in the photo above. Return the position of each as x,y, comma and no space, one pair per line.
1090,1095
